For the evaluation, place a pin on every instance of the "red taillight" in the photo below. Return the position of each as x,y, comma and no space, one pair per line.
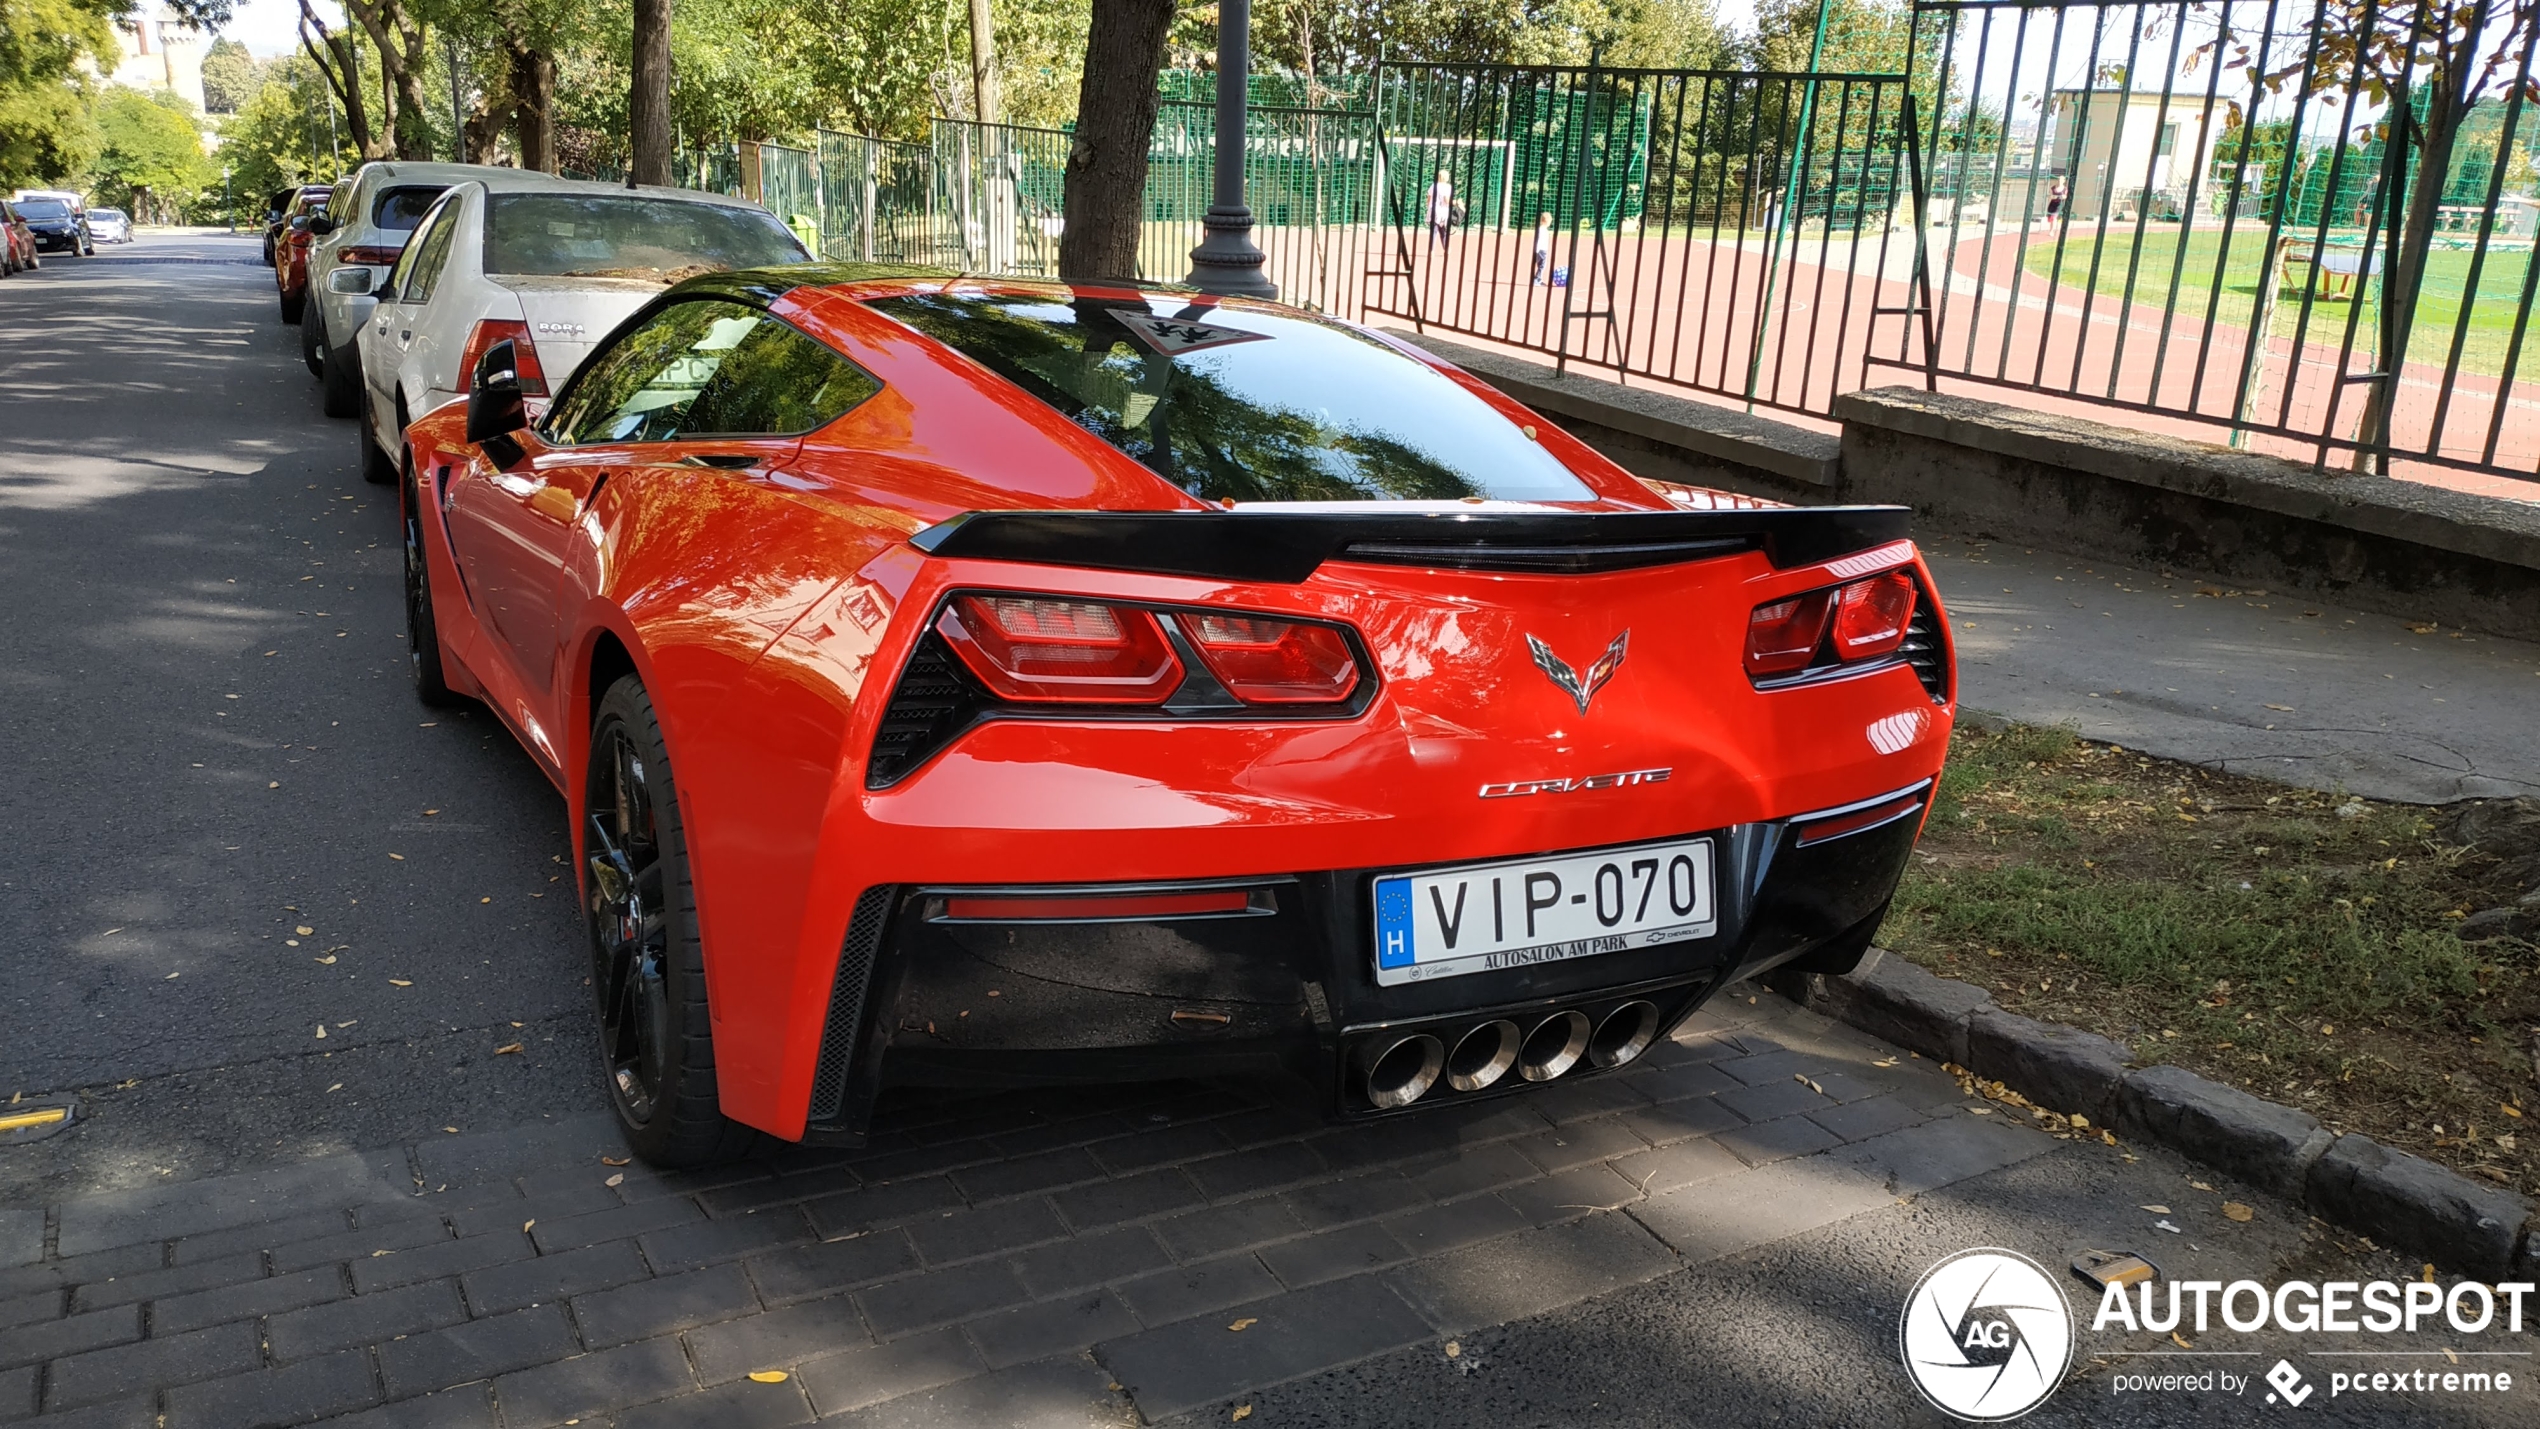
1098,906
1870,616
489,331
367,257
1042,649
1273,662
1783,637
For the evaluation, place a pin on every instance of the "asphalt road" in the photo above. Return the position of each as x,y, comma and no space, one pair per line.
210,744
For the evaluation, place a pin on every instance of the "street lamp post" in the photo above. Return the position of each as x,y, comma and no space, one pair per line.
1226,260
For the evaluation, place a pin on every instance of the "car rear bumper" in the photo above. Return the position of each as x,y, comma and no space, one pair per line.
1289,987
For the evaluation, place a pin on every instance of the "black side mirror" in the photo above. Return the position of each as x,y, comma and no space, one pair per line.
494,408
321,225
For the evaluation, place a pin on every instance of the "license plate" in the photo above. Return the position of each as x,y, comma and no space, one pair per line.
1541,910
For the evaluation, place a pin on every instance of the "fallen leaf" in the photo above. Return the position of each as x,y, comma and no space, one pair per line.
768,1376
507,1049
1243,1411
2110,1138
2428,1276
2234,1211
171,977
2512,1111
2449,1354
321,1029
2166,1226
1243,1324
1454,1348
2080,1122
1979,1111
2181,1341
2199,1186
329,960
615,1160
1884,1062
525,1225
2287,709
428,813
451,1129
304,932
275,784
339,1086
2158,1210
484,900
401,858
394,981
617,1180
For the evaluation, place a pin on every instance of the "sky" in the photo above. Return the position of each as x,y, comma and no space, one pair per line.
272,27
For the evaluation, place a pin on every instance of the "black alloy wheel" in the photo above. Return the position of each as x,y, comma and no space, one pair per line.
647,970
423,633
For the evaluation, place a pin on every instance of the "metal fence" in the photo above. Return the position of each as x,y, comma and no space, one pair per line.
2204,211
1720,230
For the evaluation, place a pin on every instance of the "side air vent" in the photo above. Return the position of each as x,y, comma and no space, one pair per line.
1926,649
935,701
846,1000
1579,559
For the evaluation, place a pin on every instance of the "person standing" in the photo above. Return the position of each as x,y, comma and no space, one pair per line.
1441,209
2054,202
1543,247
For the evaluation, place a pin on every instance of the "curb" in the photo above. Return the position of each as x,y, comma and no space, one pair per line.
2401,1201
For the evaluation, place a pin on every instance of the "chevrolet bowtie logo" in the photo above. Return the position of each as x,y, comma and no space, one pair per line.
1581,688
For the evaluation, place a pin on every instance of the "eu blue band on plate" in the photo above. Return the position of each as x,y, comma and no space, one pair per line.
1393,923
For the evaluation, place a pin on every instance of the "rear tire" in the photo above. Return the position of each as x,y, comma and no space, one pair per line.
656,1038
376,468
312,346
291,304
339,374
423,629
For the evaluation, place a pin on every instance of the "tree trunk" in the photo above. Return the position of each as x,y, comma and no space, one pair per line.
335,58
2437,134
1107,165
533,82
986,106
648,97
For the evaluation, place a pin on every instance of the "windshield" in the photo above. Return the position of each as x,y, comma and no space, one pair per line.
113,213
1247,405
399,210
43,208
597,236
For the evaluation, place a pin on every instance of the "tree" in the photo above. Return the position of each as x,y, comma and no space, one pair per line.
648,95
280,135
45,131
229,76
1115,118
2426,67
337,59
150,157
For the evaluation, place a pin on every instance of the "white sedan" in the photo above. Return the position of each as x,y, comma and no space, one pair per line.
551,264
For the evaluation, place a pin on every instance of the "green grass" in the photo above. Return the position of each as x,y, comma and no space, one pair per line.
2438,307
2248,930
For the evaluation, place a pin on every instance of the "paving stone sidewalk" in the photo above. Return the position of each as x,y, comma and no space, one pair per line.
1062,1259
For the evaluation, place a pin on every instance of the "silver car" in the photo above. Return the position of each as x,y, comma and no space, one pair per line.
549,264
109,225
354,242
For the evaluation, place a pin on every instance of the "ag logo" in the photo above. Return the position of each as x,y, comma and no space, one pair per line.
1986,1335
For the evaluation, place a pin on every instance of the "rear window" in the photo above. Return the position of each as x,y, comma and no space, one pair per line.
1246,405
597,236
43,208
399,210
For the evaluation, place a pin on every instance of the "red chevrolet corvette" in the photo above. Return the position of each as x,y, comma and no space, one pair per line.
963,681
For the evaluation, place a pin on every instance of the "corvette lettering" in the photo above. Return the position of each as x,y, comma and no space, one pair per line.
1624,780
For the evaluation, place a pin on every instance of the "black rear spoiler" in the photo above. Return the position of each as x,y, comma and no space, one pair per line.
1287,546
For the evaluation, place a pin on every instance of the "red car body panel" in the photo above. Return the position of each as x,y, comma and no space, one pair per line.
769,609
291,246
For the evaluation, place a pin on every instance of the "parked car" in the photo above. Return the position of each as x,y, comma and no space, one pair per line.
277,206
57,226
291,253
1005,683
549,264
109,225
17,243
364,227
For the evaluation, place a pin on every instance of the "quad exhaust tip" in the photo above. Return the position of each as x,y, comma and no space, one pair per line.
1482,1056
1554,1047
1625,1033
1403,1072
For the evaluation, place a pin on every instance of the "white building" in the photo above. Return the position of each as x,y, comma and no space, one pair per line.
161,51
2125,148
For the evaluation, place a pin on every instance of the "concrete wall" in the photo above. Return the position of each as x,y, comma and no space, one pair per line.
1984,469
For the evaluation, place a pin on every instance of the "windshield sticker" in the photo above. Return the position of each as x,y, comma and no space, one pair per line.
1173,336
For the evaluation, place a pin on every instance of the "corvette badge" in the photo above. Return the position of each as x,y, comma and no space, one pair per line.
1581,688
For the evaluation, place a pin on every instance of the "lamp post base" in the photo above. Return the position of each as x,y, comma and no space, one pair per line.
1227,262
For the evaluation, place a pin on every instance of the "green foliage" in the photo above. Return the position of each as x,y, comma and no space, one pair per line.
1862,36
45,132
230,76
150,146
280,135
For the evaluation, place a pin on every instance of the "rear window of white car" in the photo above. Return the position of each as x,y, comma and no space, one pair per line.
399,210
597,236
